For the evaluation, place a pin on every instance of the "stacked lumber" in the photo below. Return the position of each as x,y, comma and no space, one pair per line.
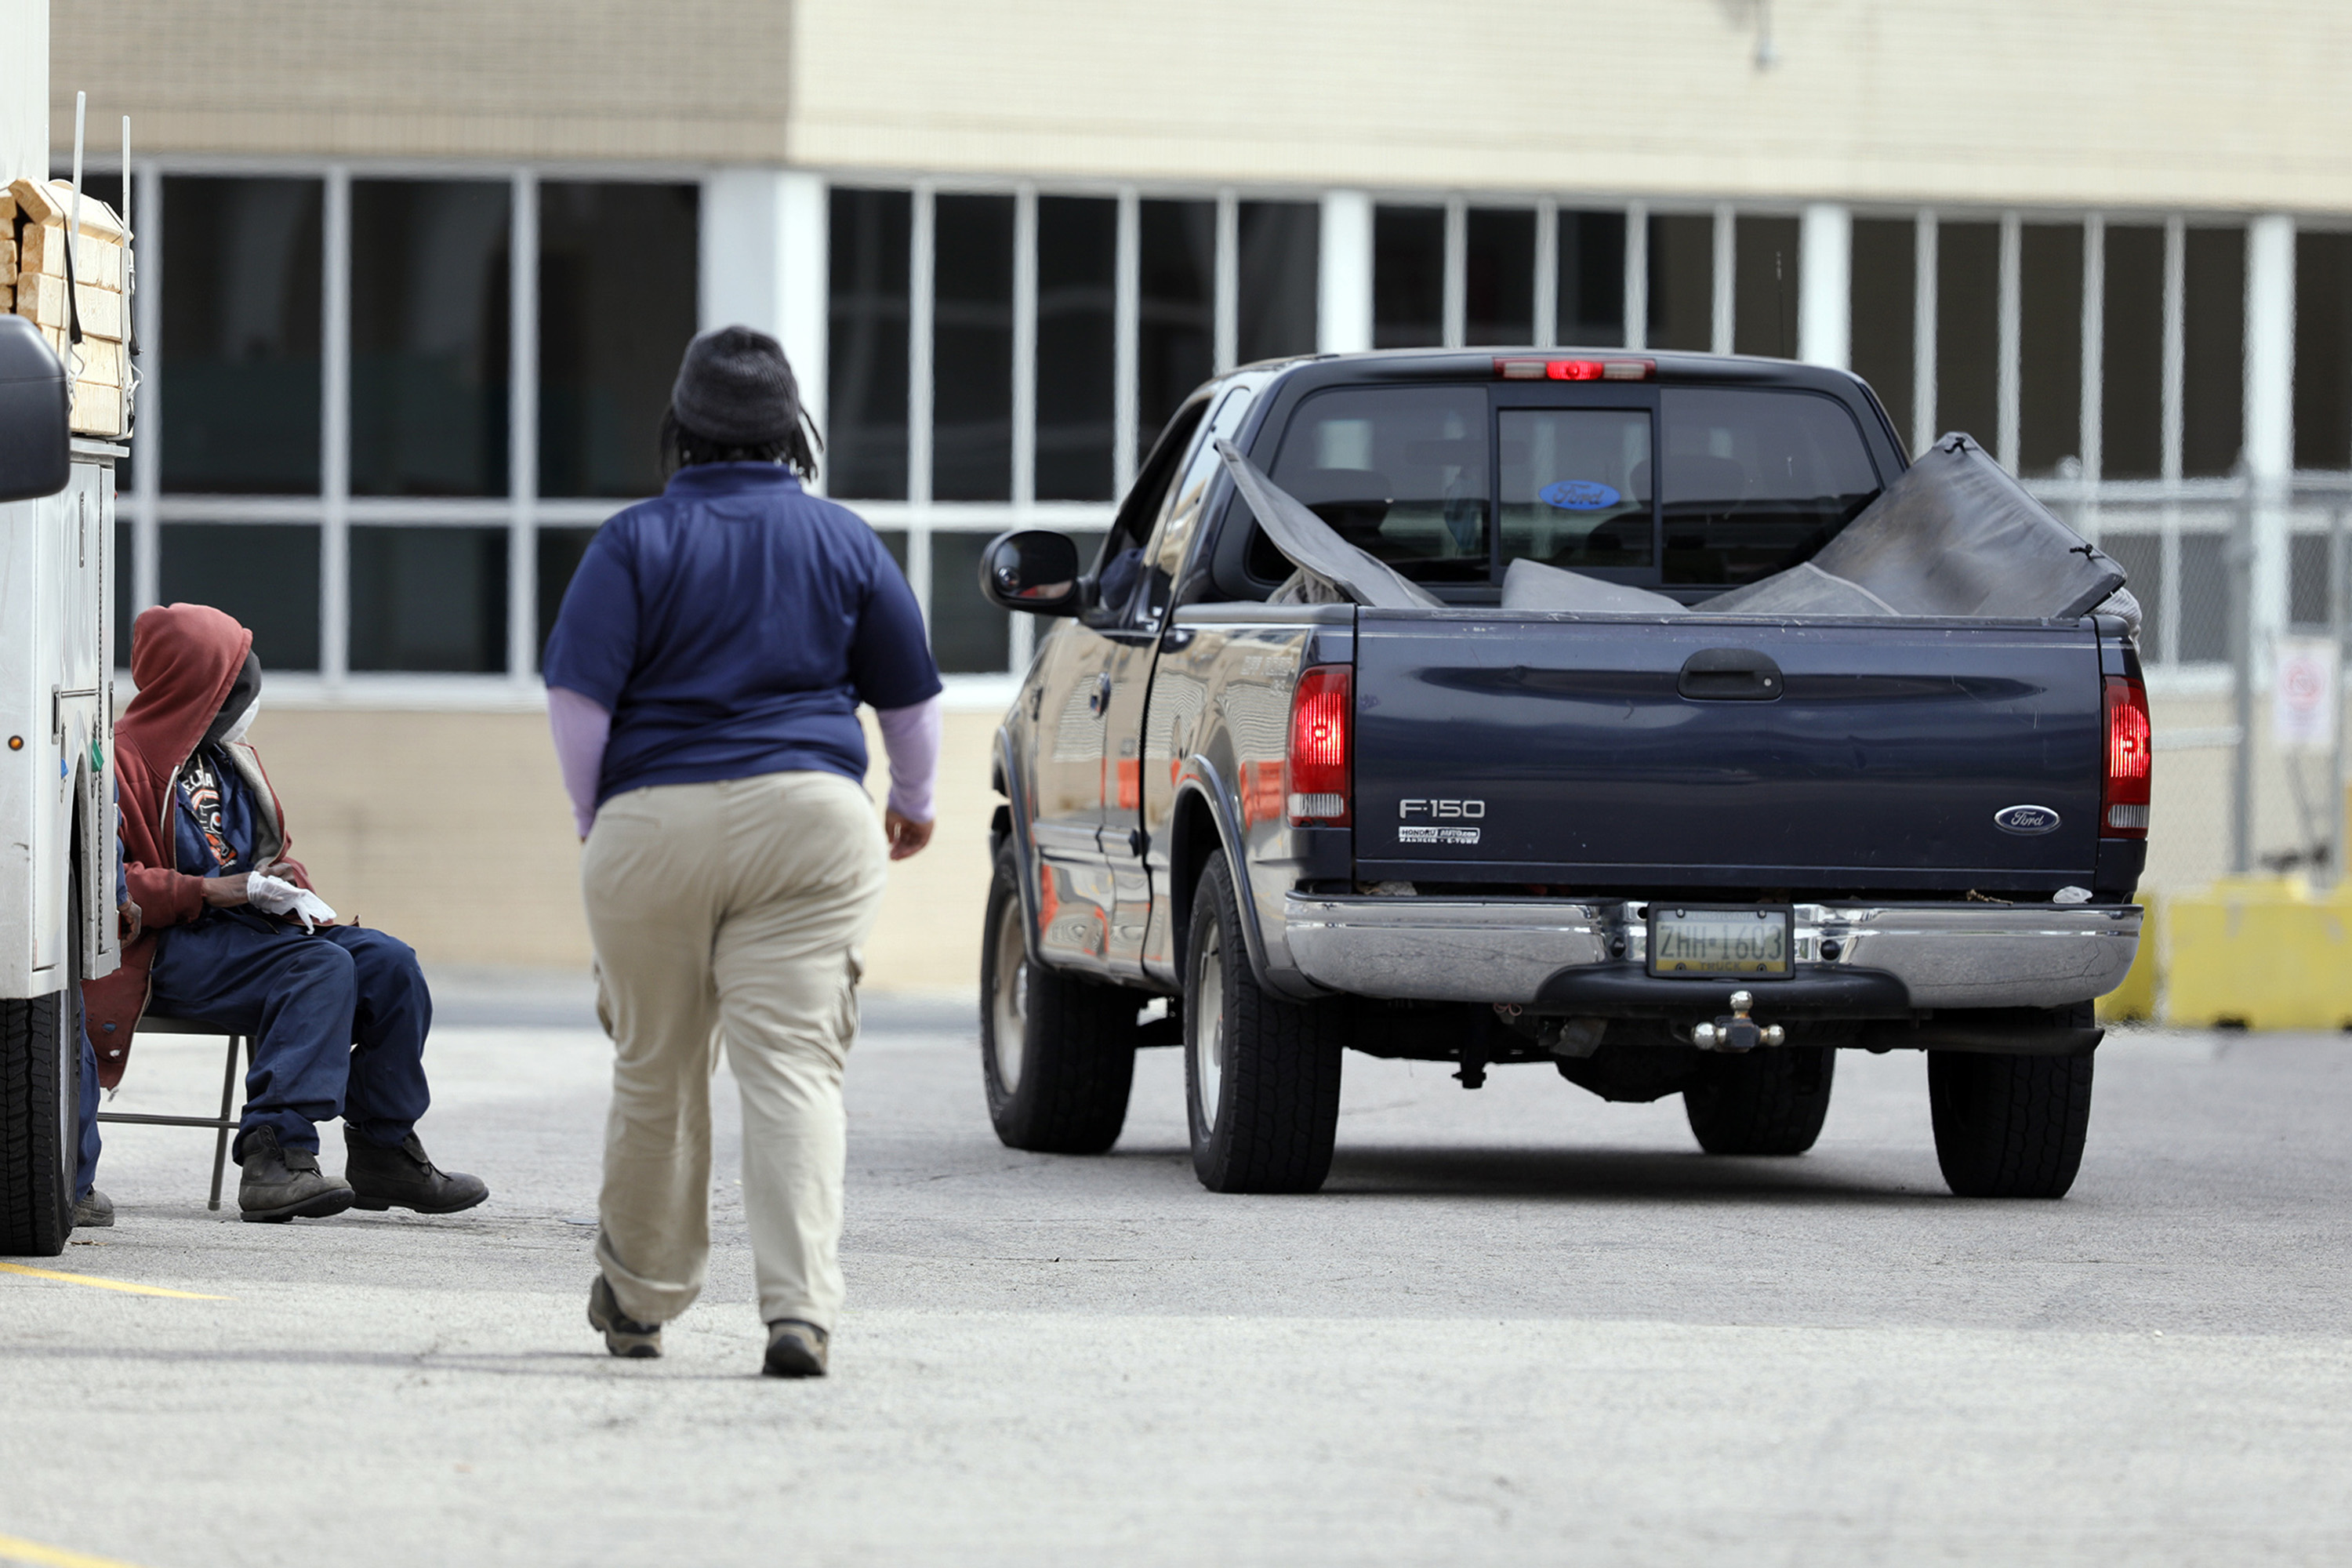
33,272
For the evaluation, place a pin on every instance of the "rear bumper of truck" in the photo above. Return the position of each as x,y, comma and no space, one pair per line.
1883,960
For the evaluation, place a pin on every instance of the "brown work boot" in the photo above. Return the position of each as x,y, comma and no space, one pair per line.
623,1335
381,1177
282,1183
796,1348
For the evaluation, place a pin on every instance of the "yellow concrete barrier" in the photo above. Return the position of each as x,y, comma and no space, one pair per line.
2135,1001
2263,953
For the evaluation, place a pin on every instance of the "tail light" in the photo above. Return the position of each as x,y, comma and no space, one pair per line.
1317,785
1526,369
2123,796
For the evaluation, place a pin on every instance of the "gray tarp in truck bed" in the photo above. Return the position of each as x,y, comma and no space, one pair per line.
1954,536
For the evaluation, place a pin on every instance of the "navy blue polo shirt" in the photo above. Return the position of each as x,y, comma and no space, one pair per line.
732,624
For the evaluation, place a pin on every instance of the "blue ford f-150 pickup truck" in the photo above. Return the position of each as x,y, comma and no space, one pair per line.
1590,726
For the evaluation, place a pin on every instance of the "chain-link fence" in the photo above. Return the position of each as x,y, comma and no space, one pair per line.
2245,590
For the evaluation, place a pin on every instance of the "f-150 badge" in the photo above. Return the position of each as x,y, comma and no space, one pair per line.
1439,821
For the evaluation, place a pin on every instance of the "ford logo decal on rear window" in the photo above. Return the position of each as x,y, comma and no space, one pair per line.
1579,495
2025,819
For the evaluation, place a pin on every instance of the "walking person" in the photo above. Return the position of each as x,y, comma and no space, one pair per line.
703,679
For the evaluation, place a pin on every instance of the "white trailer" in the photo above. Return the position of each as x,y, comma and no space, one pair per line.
57,845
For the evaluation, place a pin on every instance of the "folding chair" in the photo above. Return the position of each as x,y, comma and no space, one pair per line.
223,1122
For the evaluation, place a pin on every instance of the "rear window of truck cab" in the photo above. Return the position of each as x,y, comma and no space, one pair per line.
1692,486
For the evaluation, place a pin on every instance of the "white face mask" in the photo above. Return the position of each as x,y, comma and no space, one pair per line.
244,721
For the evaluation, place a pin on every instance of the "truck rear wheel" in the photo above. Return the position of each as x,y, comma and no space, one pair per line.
1771,1101
2009,1127
1056,1052
40,1067
1261,1073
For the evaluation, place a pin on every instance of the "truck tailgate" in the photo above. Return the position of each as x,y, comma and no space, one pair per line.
1598,752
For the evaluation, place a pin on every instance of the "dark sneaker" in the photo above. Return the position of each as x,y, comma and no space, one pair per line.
623,1335
383,1178
94,1211
283,1183
796,1348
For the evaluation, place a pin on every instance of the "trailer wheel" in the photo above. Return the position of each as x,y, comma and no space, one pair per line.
1771,1101
1261,1073
1056,1052
2009,1127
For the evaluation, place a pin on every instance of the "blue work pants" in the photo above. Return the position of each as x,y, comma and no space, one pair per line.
338,1018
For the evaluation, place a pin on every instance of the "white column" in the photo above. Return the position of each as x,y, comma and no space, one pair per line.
2174,382
2270,410
1727,280
1126,311
1637,275
1453,293
1923,334
335,434
2095,354
1546,273
1343,304
1825,286
764,263
522,430
1225,304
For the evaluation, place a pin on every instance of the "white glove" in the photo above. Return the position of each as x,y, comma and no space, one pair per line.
274,895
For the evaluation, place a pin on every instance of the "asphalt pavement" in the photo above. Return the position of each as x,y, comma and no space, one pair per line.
1519,1325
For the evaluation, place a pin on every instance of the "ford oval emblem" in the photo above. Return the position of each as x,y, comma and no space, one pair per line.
2025,819
1580,495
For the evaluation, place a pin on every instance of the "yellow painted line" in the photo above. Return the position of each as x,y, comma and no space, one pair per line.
15,1550
94,1282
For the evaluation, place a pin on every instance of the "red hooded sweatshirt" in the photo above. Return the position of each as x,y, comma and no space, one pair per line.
183,659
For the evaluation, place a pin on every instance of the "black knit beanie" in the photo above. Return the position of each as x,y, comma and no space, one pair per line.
735,389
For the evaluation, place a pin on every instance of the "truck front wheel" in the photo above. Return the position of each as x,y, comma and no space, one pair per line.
2009,1127
40,1064
1261,1073
1056,1052
1771,1101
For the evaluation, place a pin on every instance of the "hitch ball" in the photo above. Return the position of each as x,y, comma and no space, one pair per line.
1738,1032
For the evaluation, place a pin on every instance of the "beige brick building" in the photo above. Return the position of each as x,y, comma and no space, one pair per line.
414,275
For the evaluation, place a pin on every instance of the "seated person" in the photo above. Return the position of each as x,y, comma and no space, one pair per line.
234,936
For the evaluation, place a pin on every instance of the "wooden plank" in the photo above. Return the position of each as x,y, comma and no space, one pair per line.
96,410
7,210
97,262
43,300
101,361
7,262
50,203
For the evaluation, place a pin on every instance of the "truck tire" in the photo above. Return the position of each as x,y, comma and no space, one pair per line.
1261,1073
40,1067
1771,1101
2009,1127
1056,1052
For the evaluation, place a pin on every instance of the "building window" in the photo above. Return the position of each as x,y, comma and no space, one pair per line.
1590,292
241,312
1682,282
1277,276
2049,350
429,599
2323,351
1498,277
1176,314
1764,303
1967,330
265,574
1408,277
616,308
972,354
430,335
2131,399
1884,313
1078,321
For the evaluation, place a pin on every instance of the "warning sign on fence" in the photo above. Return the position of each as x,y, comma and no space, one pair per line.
2303,694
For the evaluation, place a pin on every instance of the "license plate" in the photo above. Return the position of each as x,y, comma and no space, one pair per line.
1693,942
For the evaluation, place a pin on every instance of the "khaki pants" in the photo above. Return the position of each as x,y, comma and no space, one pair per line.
729,911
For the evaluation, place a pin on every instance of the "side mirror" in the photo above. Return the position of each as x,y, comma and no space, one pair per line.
36,445
1033,570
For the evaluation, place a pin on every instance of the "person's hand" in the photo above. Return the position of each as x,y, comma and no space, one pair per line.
274,895
907,836
227,892
128,922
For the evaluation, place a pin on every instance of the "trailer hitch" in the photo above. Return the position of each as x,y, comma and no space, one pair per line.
1738,1032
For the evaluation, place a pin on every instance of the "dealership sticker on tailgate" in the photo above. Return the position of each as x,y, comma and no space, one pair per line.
1447,811
1437,835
